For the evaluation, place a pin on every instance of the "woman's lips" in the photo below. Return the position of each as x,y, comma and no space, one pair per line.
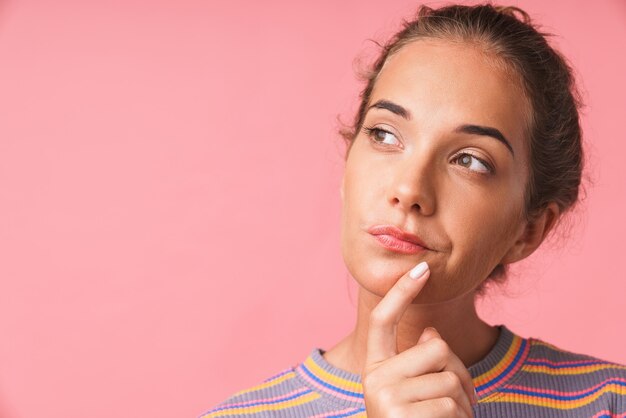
395,244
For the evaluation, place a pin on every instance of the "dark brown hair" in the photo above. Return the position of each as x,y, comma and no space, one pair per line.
515,45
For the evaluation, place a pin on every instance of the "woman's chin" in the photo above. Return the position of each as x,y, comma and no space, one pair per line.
376,278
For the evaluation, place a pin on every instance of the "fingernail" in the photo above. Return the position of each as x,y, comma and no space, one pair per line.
419,270
475,397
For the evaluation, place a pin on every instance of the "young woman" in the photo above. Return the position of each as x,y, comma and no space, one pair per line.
464,154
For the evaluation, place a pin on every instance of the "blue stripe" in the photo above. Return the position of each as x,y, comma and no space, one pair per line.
508,369
329,386
253,403
561,397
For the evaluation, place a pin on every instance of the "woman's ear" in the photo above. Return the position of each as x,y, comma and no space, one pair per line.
533,234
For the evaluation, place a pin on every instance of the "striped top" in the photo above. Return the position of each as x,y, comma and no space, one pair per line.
519,377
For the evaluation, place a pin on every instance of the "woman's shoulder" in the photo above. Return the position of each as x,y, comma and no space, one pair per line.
569,380
270,393
545,356
543,379
312,387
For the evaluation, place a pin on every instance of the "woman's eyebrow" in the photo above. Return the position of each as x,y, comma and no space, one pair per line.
466,128
485,131
392,107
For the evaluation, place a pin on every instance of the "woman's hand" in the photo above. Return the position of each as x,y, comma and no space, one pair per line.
426,380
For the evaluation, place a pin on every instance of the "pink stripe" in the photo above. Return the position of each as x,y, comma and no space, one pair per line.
276,398
276,376
609,413
327,390
327,414
569,362
556,392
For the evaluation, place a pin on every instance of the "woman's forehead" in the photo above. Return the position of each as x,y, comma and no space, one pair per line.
441,81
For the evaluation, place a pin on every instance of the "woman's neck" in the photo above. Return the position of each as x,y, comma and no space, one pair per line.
469,337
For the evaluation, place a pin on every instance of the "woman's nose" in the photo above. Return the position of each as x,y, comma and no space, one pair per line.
412,185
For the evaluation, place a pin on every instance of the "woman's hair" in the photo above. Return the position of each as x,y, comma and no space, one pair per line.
514,45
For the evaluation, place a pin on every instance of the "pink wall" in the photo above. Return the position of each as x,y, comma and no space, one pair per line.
169,197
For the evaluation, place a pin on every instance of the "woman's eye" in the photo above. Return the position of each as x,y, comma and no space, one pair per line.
379,135
466,159
473,163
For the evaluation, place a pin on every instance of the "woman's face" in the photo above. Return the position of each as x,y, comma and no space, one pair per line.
426,170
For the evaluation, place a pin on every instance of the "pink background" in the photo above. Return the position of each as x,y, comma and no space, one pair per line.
169,197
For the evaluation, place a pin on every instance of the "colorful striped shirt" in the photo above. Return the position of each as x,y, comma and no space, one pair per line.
519,377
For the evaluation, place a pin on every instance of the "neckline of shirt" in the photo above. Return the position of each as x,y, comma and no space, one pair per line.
340,386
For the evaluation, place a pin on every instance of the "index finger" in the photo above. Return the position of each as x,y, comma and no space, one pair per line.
384,318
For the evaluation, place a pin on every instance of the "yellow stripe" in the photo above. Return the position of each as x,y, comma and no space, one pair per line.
292,403
278,380
335,380
554,403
